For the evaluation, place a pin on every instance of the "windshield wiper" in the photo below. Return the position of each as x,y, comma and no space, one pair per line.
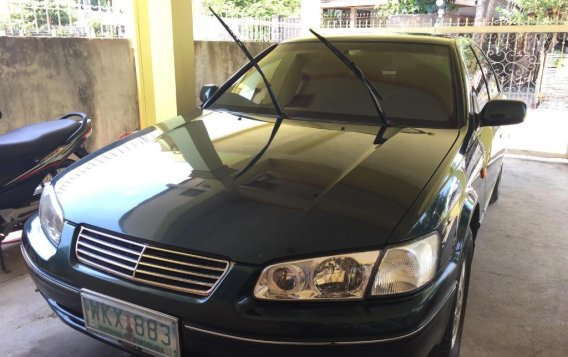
279,111
373,92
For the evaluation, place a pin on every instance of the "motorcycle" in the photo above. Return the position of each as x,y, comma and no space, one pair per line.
29,158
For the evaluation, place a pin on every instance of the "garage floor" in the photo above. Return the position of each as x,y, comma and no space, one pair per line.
518,299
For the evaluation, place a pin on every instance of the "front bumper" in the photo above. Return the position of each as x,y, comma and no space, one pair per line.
230,322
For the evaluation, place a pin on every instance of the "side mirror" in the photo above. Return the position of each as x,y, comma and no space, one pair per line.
503,112
207,92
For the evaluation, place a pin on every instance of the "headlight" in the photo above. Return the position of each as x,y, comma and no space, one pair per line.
343,276
407,267
51,215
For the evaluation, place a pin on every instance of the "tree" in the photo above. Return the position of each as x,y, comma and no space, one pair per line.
407,7
102,3
535,11
46,16
490,11
43,14
480,11
485,11
253,8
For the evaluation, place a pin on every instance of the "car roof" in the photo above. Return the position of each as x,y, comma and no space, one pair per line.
382,37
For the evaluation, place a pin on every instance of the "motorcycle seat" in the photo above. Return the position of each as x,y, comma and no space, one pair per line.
36,140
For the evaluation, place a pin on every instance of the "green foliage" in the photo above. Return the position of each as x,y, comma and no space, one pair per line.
97,27
43,14
409,7
403,7
101,2
253,8
535,11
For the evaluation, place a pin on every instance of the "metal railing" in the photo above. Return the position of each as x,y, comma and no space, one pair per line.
529,59
66,18
376,19
529,64
275,29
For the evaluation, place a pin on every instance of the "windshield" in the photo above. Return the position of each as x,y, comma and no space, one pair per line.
415,81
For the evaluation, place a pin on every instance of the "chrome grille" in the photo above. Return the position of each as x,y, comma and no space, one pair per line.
165,268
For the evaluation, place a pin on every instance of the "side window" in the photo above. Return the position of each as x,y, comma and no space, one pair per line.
492,82
475,74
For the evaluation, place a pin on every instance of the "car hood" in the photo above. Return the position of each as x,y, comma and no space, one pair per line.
319,189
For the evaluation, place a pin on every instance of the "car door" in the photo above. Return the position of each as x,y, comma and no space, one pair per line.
476,157
495,142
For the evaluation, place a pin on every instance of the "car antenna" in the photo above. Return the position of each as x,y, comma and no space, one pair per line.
279,111
373,92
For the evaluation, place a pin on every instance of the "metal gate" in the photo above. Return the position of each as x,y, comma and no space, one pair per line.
531,61
531,65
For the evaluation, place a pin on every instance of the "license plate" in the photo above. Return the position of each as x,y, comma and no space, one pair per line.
132,326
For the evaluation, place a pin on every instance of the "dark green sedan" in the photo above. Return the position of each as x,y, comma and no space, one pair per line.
324,200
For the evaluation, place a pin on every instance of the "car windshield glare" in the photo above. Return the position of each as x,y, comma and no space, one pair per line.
311,83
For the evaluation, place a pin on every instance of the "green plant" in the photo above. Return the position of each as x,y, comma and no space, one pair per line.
408,7
535,11
253,8
43,14
97,27
558,62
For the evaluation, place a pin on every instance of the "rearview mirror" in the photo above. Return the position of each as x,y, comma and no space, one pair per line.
503,112
207,92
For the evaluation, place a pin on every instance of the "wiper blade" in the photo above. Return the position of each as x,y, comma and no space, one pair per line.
373,92
275,103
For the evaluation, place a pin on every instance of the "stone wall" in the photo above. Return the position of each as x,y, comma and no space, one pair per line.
43,78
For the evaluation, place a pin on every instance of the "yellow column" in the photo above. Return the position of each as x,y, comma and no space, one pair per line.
164,58
184,57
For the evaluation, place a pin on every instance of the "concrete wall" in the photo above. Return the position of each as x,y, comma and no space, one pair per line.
42,78
216,61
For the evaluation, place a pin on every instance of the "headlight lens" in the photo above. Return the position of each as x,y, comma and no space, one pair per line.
334,277
51,215
408,267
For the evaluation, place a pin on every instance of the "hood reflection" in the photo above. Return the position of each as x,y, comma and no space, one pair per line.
320,186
